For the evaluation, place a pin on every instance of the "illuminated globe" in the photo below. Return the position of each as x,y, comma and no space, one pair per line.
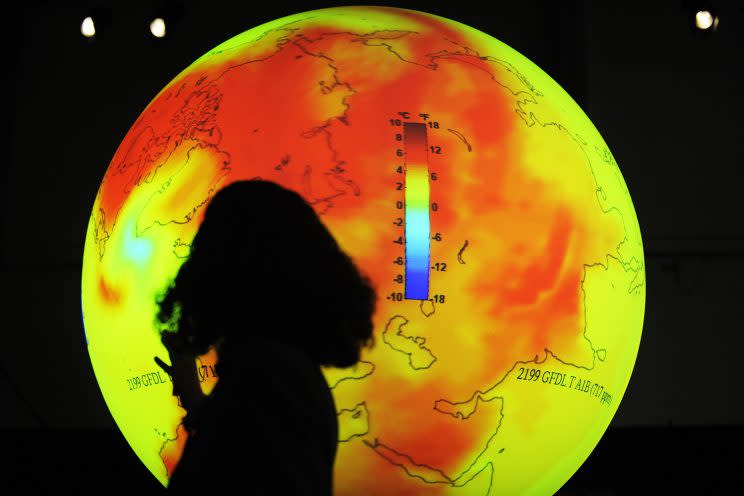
475,193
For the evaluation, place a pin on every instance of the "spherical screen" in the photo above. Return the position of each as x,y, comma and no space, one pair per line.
472,190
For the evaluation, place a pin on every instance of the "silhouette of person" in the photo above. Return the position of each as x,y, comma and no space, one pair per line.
269,288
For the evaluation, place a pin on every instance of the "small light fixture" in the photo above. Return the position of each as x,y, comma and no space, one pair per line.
88,28
704,20
157,27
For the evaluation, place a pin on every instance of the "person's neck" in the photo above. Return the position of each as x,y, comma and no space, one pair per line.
235,355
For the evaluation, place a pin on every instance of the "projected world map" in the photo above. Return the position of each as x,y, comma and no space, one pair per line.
480,200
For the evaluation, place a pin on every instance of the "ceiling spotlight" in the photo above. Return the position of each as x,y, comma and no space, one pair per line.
88,28
704,19
157,27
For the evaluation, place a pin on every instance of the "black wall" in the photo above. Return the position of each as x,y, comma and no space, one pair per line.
667,101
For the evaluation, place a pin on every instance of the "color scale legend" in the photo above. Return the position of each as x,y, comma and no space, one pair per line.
417,211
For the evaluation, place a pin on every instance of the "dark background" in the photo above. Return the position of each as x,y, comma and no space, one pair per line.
666,98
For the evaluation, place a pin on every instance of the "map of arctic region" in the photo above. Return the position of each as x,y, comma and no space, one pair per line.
472,191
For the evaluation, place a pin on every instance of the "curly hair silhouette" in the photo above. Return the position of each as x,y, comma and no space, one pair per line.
269,288
263,262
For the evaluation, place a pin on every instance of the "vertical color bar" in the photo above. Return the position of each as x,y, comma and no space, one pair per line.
417,211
